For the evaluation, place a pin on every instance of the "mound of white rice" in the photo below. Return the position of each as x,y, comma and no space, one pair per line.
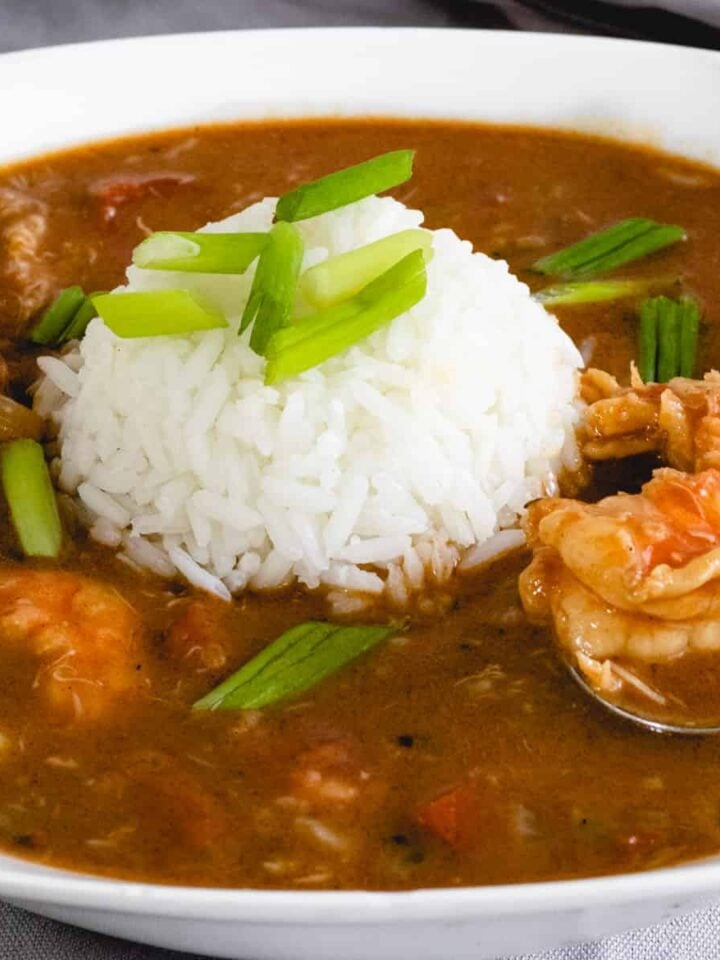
372,472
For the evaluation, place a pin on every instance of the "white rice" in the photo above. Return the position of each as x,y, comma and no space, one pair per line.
373,473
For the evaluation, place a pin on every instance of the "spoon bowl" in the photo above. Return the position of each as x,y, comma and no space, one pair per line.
644,720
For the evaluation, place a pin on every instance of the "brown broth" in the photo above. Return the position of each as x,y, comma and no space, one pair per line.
470,692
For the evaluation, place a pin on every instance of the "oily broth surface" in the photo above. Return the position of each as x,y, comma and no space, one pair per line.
469,689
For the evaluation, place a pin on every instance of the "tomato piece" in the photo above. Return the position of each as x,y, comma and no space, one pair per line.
454,816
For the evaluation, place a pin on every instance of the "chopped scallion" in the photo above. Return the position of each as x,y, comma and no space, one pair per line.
155,313
597,291
55,320
296,661
689,326
344,275
668,338
78,325
272,294
346,186
199,252
329,332
620,244
31,498
668,314
648,343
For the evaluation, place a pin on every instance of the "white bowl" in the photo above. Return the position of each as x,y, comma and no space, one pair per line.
641,92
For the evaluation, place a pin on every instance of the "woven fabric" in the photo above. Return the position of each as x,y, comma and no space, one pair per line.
28,23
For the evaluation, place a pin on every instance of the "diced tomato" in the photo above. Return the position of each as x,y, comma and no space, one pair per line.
454,816
113,193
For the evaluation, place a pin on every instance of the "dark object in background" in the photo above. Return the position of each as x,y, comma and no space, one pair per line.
640,23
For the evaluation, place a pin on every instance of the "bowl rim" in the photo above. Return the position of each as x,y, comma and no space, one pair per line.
515,38
29,882
358,907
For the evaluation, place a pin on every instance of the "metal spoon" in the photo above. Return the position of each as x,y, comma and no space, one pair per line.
641,720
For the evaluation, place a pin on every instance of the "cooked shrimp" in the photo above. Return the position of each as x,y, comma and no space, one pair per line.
679,420
196,639
633,577
328,775
117,191
23,229
174,802
85,635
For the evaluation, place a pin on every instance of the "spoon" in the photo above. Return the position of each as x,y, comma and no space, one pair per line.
645,721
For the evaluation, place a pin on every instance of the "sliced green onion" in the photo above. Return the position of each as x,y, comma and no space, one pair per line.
597,291
31,498
296,661
668,314
155,313
620,244
346,186
648,343
342,276
199,252
274,287
668,338
689,326
78,325
316,338
55,320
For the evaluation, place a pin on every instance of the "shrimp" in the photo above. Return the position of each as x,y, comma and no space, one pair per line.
633,577
196,638
328,775
679,420
84,634
23,229
115,192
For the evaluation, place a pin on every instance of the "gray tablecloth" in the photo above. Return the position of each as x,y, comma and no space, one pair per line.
26,23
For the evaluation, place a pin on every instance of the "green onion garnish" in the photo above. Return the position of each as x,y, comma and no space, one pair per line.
199,252
597,291
648,344
155,313
316,338
55,320
272,294
620,244
668,338
85,313
296,661
346,186
668,320
31,498
689,326
342,276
